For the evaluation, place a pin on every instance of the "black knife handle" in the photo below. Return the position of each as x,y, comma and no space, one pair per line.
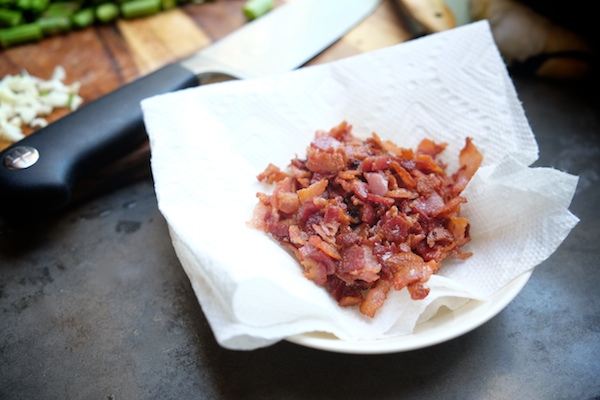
81,142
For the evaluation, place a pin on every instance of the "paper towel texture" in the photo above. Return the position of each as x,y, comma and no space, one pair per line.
209,144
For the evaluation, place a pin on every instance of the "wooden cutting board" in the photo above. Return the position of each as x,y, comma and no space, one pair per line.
103,58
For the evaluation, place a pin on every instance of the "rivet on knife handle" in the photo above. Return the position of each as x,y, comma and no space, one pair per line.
84,140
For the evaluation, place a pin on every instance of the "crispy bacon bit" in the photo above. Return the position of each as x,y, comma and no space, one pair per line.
314,190
378,184
325,161
365,217
431,148
469,159
271,174
375,297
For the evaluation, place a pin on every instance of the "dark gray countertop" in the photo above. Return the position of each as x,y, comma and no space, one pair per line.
95,305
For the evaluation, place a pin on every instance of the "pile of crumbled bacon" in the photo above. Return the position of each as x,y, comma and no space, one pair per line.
363,217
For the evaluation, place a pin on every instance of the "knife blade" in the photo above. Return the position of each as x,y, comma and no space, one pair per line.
38,173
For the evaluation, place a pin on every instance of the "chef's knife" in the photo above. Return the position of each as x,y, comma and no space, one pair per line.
38,173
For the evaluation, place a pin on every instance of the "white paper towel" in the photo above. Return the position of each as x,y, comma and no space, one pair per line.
209,144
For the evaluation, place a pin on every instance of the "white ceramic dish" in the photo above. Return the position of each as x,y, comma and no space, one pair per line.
444,326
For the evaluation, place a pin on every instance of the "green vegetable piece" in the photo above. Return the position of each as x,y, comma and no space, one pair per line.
168,4
257,8
7,3
55,24
38,6
84,18
62,8
10,17
20,34
140,8
24,5
107,12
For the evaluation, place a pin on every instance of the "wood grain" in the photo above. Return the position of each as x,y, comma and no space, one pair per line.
381,29
164,38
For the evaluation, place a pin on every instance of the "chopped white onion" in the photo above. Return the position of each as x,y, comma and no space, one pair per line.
11,132
38,123
25,99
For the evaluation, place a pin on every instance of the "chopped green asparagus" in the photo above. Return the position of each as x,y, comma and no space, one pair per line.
39,6
10,17
36,19
20,34
83,18
168,4
257,8
107,12
55,24
24,5
140,8
61,8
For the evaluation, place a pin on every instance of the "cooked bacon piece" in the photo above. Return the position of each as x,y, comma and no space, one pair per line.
377,183
325,247
367,213
404,175
470,160
402,194
288,202
376,163
346,295
364,217
285,198
259,217
431,148
297,236
429,205
394,226
425,162
317,264
375,297
459,227
358,263
271,174
325,142
314,190
325,161
417,291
